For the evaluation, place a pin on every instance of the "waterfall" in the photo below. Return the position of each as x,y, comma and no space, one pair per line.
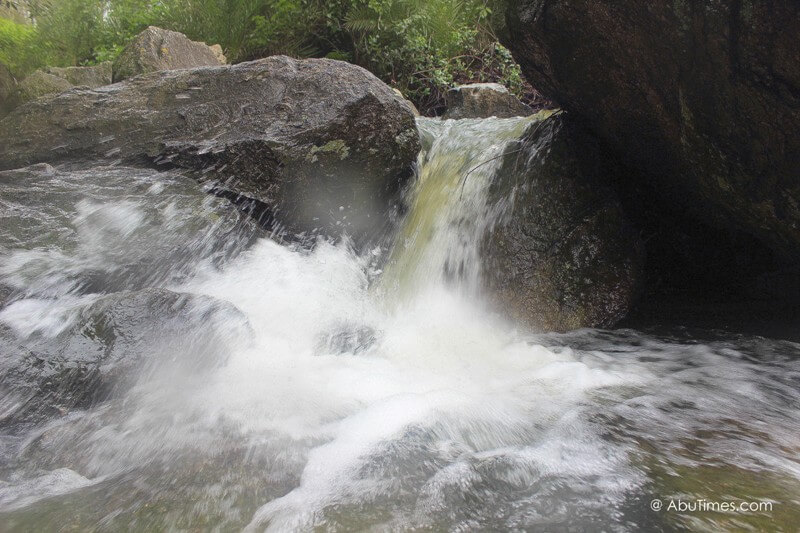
439,241
165,365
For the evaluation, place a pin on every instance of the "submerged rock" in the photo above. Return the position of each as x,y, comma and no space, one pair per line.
112,344
320,143
563,255
110,228
483,100
702,97
347,338
157,49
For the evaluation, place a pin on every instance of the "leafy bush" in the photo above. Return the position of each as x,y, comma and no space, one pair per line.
67,31
420,46
17,46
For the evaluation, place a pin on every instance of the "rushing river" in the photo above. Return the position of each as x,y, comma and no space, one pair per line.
168,366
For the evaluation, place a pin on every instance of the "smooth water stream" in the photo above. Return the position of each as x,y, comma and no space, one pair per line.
283,389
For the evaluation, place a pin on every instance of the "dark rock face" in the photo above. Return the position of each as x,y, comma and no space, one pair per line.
702,96
483,100
113,344
564,256
321,143
94,76
157,49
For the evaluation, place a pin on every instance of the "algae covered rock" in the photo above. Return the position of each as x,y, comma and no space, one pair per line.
483,100
318,143
157,49
563,255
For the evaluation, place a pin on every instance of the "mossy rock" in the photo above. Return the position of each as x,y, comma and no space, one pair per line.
563,256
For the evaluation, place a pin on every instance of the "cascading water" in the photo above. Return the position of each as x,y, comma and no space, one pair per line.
439,241
332,396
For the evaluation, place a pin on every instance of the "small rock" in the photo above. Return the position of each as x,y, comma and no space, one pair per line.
157,49
347,339
407,101
217,49
39,84
483,100
94,76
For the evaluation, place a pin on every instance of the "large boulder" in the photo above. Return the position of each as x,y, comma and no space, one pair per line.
701,97
483,100
157,49
563,255
93,76
320,143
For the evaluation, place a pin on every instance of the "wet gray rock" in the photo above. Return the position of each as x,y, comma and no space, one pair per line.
92,76
113,343
156,49
563,256
320,143
483,100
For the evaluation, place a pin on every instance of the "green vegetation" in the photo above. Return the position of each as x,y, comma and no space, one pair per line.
419,46
17,46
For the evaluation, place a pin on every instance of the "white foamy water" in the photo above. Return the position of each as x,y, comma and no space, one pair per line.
360,400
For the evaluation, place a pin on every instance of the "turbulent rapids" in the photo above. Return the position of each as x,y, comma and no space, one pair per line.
167,365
